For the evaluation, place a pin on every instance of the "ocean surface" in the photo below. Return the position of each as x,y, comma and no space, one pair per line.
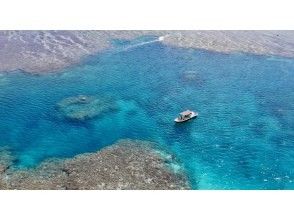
242,139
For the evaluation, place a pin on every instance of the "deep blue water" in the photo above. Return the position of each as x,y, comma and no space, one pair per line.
242,139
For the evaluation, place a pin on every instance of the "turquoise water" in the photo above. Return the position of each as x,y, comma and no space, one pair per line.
242,139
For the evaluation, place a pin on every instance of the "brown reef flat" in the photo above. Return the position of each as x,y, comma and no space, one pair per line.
49,51
127,164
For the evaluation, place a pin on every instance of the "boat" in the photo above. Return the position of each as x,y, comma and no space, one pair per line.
185,116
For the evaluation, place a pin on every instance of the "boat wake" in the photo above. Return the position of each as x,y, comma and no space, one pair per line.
129,47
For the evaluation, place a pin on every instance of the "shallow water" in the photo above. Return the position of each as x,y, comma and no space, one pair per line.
242,139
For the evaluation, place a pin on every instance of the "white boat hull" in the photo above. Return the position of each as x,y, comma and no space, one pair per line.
193,115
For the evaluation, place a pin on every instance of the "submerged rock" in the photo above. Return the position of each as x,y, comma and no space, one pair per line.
127,164
82,107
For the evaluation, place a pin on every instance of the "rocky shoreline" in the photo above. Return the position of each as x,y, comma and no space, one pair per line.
50,51
127,164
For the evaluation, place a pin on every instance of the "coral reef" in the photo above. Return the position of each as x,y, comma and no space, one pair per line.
45,51
127,164
278,43
81,107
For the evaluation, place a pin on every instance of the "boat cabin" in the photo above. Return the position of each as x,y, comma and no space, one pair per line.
185,114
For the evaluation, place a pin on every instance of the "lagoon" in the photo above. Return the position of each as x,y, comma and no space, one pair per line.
242,139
